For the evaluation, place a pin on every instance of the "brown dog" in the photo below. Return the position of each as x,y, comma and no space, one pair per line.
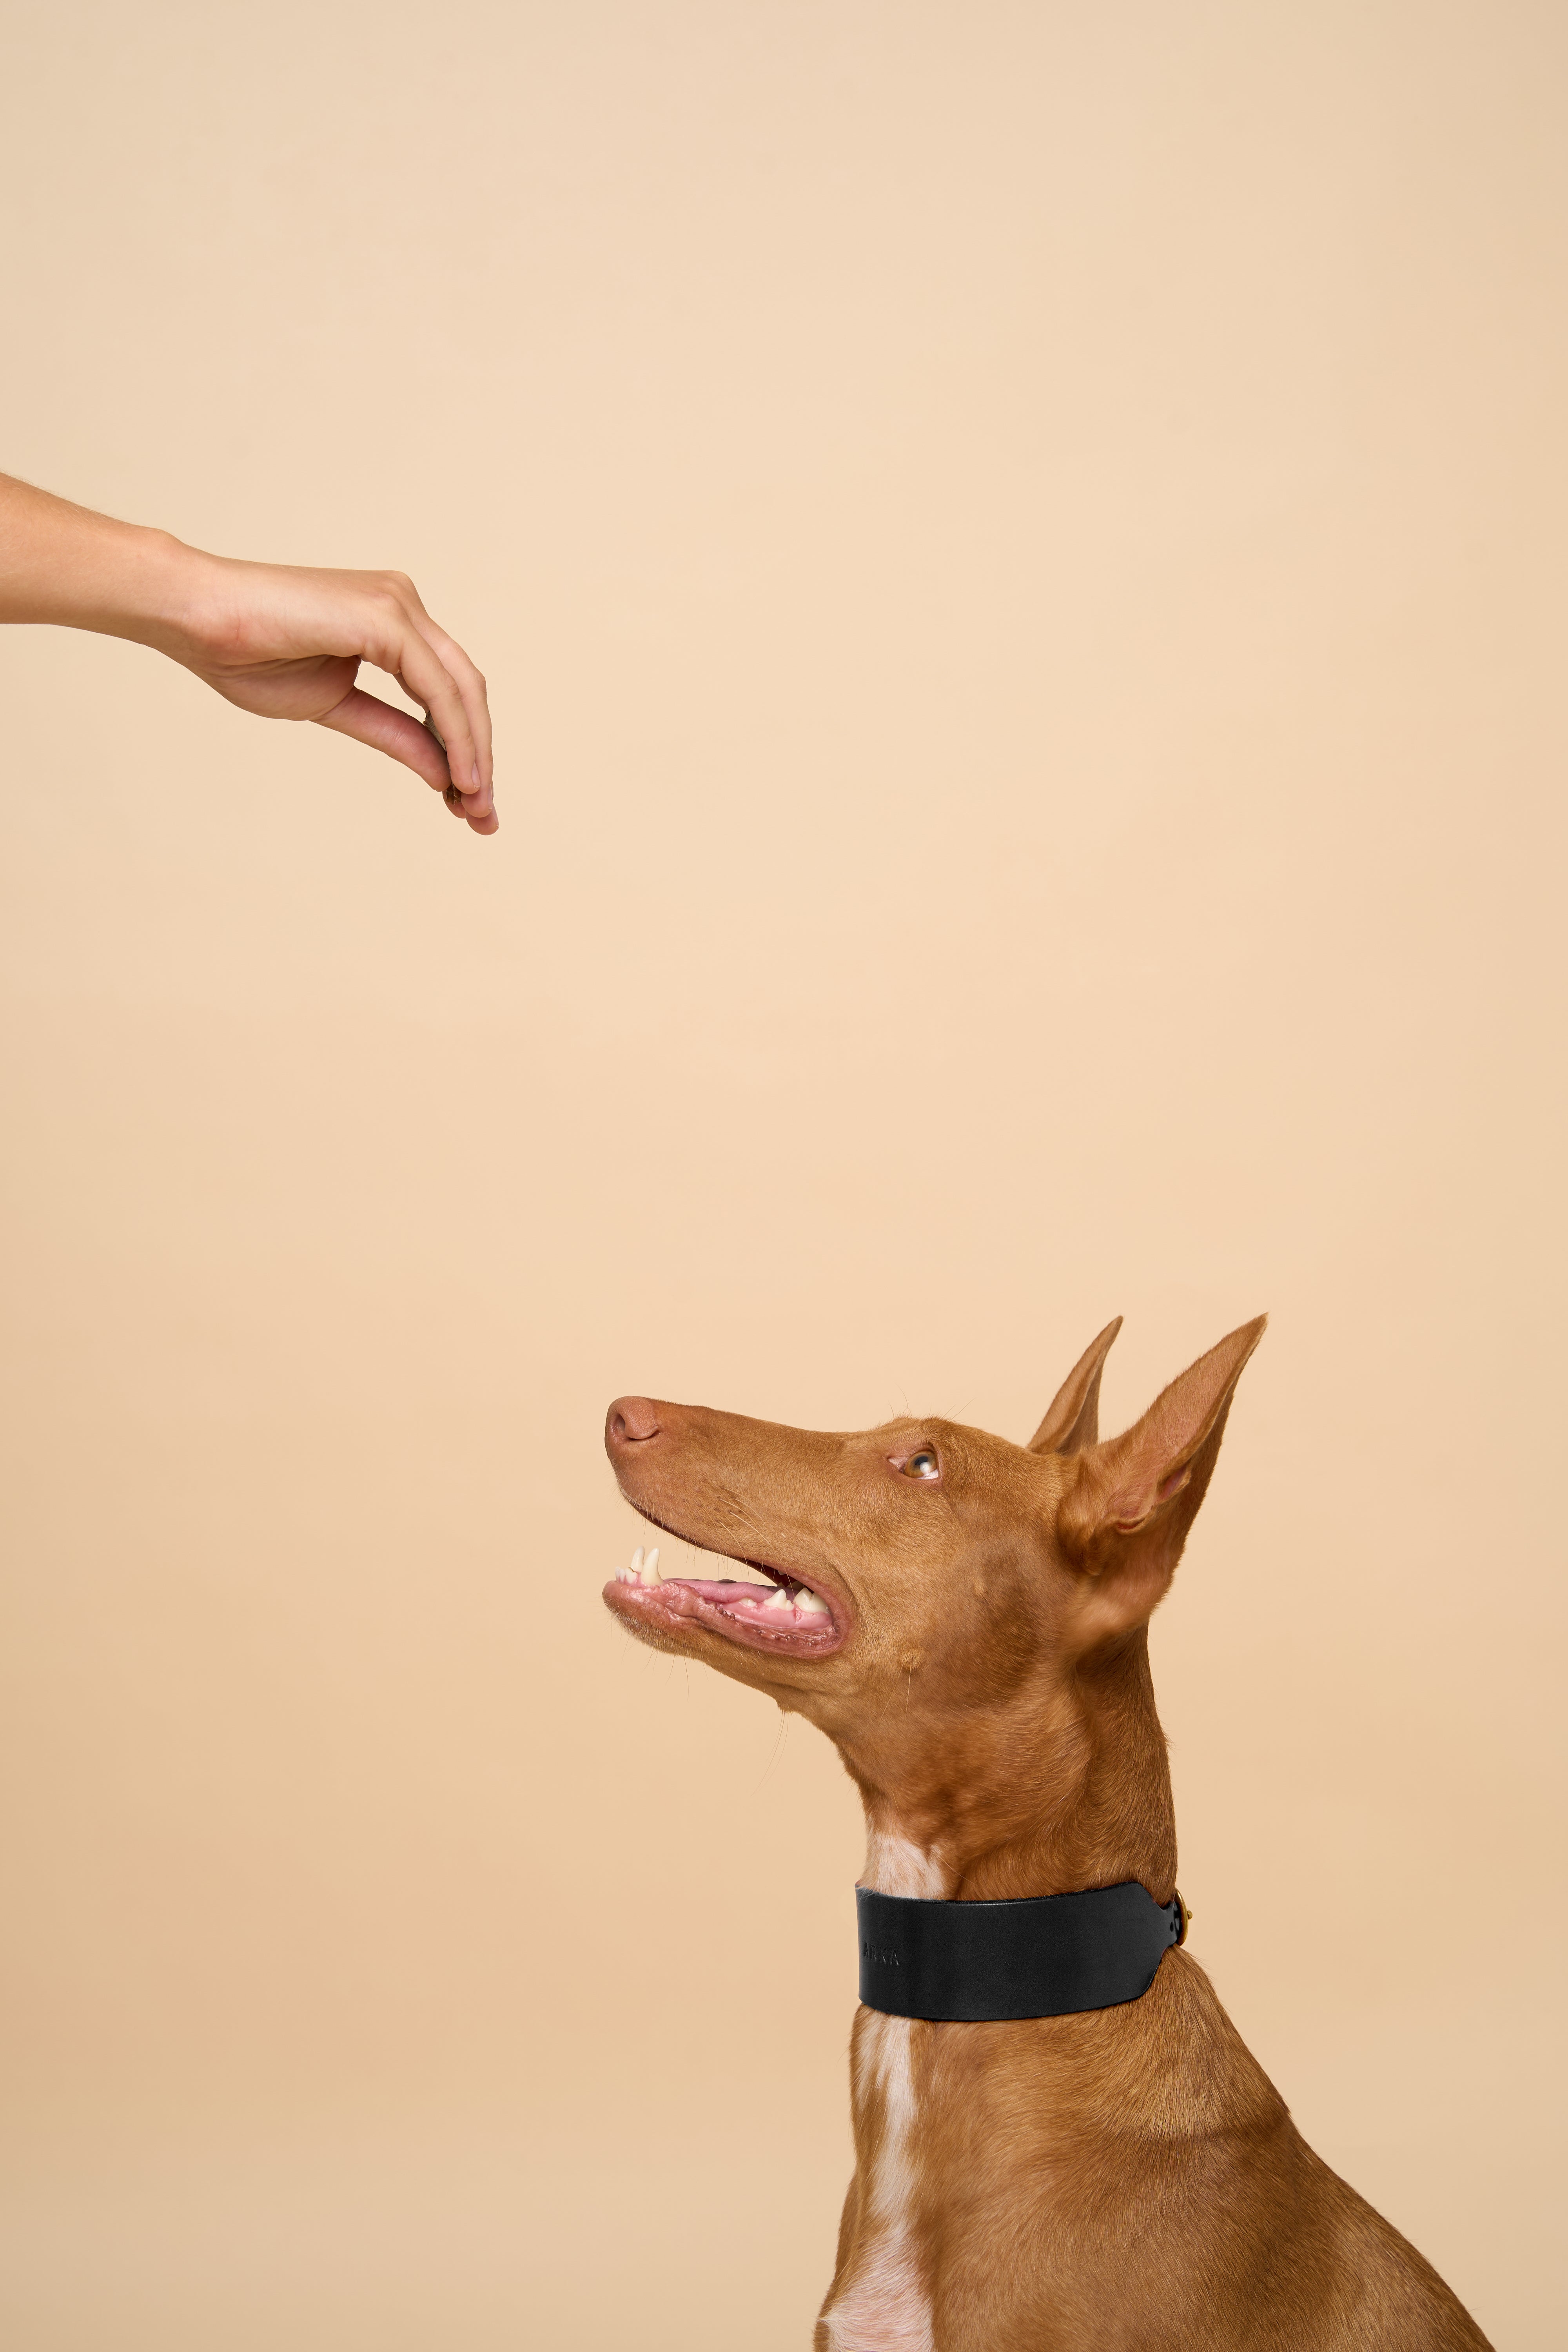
967,1621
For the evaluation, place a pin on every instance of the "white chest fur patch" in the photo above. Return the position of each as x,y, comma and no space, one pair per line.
896,1865
883,2307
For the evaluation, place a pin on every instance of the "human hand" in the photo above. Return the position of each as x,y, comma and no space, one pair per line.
280,639
286,642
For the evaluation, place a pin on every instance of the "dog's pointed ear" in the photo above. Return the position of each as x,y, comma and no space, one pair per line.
1073,1421
1125,1518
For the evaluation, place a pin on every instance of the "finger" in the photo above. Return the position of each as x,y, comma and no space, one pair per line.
480,814
431,683
421,674
471,686
369,721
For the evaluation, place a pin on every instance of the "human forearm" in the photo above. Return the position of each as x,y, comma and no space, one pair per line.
62,563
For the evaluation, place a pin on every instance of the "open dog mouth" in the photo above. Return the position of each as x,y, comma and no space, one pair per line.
784,1614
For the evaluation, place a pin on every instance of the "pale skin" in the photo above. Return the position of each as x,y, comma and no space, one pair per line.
283,640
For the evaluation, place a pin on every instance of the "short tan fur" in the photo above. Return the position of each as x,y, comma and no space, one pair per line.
1102,2183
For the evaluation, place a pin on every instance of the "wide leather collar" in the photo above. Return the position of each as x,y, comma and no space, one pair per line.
1046,1956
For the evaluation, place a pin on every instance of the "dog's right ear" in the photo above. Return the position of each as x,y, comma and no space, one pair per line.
1123,1521
1073,1421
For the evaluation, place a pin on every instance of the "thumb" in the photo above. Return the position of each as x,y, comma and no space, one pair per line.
369,721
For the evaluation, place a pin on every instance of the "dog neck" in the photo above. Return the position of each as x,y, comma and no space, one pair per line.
1066,1789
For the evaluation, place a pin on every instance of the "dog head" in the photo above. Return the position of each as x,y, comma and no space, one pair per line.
924,1572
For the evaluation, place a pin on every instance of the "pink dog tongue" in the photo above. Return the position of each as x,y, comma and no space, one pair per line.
756,1604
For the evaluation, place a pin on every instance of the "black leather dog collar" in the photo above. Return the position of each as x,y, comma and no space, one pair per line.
1044,1956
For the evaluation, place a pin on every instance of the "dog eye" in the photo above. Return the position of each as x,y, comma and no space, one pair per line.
924,1464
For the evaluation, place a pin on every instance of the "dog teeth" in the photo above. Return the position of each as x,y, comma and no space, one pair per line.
643,1569
786,1599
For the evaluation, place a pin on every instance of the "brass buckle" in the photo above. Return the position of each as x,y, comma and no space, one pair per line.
1186,1919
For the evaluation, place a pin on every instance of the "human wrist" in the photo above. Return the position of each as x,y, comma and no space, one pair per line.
162,594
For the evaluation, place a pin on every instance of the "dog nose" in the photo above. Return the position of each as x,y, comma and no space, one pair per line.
631,1421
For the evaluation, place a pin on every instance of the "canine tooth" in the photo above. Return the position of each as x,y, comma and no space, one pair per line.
637,1561
649,1571
812,1602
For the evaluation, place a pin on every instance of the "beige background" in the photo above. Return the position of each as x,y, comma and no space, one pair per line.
1019,552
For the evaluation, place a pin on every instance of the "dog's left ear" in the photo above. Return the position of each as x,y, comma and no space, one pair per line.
1124,1520
1073,1421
